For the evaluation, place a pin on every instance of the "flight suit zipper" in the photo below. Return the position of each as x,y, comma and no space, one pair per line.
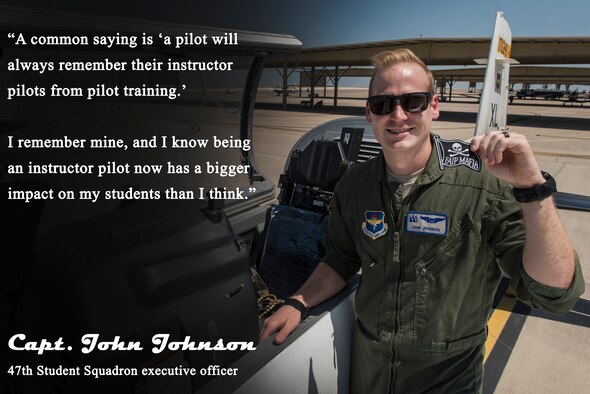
396,326
397,250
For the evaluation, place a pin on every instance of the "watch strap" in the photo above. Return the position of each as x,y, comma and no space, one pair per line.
537,192
297,305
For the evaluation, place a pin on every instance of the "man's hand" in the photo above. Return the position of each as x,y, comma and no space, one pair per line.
322,284
285,321
509,157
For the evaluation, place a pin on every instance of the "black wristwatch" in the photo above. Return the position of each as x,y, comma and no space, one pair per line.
537,192
297,305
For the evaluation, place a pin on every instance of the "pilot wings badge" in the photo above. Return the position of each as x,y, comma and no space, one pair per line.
374,225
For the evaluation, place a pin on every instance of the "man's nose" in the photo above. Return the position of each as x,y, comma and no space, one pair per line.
398,112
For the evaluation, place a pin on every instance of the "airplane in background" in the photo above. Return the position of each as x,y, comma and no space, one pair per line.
576,97
279,90
547,94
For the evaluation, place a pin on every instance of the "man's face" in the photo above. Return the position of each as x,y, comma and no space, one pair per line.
401,132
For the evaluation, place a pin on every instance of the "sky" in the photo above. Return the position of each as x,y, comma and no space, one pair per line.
319,23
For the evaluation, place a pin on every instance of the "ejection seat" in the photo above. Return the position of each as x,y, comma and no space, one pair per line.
292,242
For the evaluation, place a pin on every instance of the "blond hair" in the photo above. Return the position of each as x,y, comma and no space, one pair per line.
386,59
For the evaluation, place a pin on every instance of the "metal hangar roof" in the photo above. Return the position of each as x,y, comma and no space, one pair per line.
451,51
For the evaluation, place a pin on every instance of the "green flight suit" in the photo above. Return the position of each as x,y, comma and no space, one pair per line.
431,263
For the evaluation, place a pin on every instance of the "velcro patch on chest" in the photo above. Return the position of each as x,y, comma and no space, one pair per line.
456,153
374,224
427,223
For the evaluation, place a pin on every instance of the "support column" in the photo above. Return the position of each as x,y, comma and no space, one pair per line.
451,89
336,87
285,81
443,83
312,88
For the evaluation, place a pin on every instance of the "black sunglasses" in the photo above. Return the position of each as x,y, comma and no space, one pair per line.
410,102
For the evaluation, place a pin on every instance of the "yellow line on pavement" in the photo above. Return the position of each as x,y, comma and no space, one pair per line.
497,322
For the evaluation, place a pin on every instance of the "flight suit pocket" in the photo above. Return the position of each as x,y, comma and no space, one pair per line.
460,237
369,296
449,292
369,360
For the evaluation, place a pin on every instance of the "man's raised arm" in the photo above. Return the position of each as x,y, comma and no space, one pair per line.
548,255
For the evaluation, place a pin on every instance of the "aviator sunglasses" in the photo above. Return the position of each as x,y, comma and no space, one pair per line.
410,102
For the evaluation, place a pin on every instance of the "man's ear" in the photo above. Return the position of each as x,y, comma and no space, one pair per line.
435,108
368,113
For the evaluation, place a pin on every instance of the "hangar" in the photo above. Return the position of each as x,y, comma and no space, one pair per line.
334,62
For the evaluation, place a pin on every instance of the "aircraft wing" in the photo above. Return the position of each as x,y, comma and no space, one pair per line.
576,202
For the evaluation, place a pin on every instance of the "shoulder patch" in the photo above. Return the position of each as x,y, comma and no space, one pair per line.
454,153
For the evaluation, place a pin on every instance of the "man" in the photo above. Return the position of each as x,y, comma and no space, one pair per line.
432,230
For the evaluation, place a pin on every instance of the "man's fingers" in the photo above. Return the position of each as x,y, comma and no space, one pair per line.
271,325
487,148
490,147
497,147
284,332
285,321
479,145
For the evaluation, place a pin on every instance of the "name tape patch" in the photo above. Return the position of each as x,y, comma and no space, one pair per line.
456,153
427,223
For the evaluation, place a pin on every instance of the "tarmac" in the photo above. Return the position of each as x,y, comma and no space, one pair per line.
528,351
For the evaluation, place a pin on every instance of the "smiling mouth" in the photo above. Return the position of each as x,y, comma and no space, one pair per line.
397,131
